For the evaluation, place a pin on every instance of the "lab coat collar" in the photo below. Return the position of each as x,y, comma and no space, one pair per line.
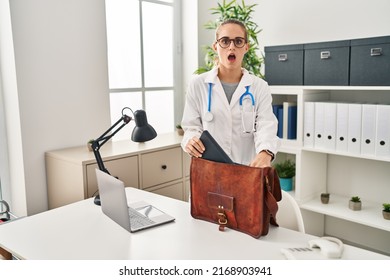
212,77
246,80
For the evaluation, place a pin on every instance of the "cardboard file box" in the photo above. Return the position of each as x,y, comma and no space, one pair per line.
284,65
370,62
327,63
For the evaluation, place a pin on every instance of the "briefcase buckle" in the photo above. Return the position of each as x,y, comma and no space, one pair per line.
222,219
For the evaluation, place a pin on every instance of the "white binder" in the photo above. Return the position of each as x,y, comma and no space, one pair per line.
330,125
319,111
342,127
368,129
308,125
382,145
354,128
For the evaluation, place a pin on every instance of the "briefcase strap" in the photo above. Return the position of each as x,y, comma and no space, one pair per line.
271,202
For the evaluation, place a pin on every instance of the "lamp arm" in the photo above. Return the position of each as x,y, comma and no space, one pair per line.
99,142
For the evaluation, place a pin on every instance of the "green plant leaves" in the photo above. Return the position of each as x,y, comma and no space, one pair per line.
285,169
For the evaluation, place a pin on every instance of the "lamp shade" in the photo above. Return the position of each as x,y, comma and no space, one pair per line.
142,131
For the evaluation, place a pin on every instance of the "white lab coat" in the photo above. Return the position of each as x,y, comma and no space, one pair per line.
226,126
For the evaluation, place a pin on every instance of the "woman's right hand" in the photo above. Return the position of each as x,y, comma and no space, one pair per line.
195,147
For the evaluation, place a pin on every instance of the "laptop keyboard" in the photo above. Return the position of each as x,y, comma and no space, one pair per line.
137,220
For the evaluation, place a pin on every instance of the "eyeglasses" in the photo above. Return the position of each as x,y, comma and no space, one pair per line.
225,42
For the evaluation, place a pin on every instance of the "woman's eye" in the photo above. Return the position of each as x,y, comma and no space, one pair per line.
225,41
239,41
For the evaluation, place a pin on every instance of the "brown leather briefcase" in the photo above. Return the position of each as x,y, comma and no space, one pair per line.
236,196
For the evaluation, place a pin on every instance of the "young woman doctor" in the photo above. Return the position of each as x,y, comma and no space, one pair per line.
233,105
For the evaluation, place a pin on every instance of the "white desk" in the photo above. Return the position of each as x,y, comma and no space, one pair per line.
82,231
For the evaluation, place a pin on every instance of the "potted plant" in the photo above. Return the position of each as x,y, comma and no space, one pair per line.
286,171
242,12
325,198
355,203
179,129
89,144
386,211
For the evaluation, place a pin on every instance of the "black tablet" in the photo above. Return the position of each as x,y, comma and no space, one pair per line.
213,150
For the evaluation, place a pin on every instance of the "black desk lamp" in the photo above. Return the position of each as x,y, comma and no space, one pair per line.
142,132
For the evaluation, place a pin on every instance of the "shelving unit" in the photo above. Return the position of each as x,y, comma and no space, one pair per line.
342,174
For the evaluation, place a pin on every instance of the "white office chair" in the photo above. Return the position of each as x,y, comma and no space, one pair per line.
289,214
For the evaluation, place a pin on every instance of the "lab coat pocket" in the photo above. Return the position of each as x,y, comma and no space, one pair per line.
247,123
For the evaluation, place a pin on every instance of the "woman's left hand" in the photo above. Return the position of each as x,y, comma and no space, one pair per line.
262,159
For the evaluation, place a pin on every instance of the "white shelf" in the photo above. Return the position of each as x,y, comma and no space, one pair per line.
346,154
292,89
370,215
286,90
347,88
290,146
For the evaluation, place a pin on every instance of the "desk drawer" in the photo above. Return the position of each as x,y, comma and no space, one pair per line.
161,167
174,191
126,169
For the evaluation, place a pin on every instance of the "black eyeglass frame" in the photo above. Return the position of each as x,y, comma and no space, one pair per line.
230,42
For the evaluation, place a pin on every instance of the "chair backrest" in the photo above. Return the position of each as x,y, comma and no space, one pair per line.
289,214
4,209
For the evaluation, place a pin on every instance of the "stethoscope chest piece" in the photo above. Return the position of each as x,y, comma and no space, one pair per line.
208,116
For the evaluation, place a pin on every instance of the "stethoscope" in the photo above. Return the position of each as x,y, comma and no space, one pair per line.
209,115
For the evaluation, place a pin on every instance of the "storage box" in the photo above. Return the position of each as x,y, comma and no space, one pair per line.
284,65
370,62
327,63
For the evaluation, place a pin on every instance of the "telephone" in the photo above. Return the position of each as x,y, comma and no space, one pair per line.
330,246
320,248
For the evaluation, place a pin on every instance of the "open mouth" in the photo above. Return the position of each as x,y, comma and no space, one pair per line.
232,57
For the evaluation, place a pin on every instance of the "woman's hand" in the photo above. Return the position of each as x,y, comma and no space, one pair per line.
195,147
262,159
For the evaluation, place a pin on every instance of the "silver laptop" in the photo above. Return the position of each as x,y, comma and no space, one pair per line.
133,217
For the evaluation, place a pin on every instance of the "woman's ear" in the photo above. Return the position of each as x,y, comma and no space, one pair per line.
246,47
215,46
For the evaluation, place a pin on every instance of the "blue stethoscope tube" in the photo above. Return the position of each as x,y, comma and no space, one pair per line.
209,101
245,94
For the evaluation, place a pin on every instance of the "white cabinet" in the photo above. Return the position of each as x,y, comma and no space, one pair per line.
341,173
158,166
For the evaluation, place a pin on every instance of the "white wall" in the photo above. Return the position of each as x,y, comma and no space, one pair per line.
60,96
304,21
205,37
190,39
